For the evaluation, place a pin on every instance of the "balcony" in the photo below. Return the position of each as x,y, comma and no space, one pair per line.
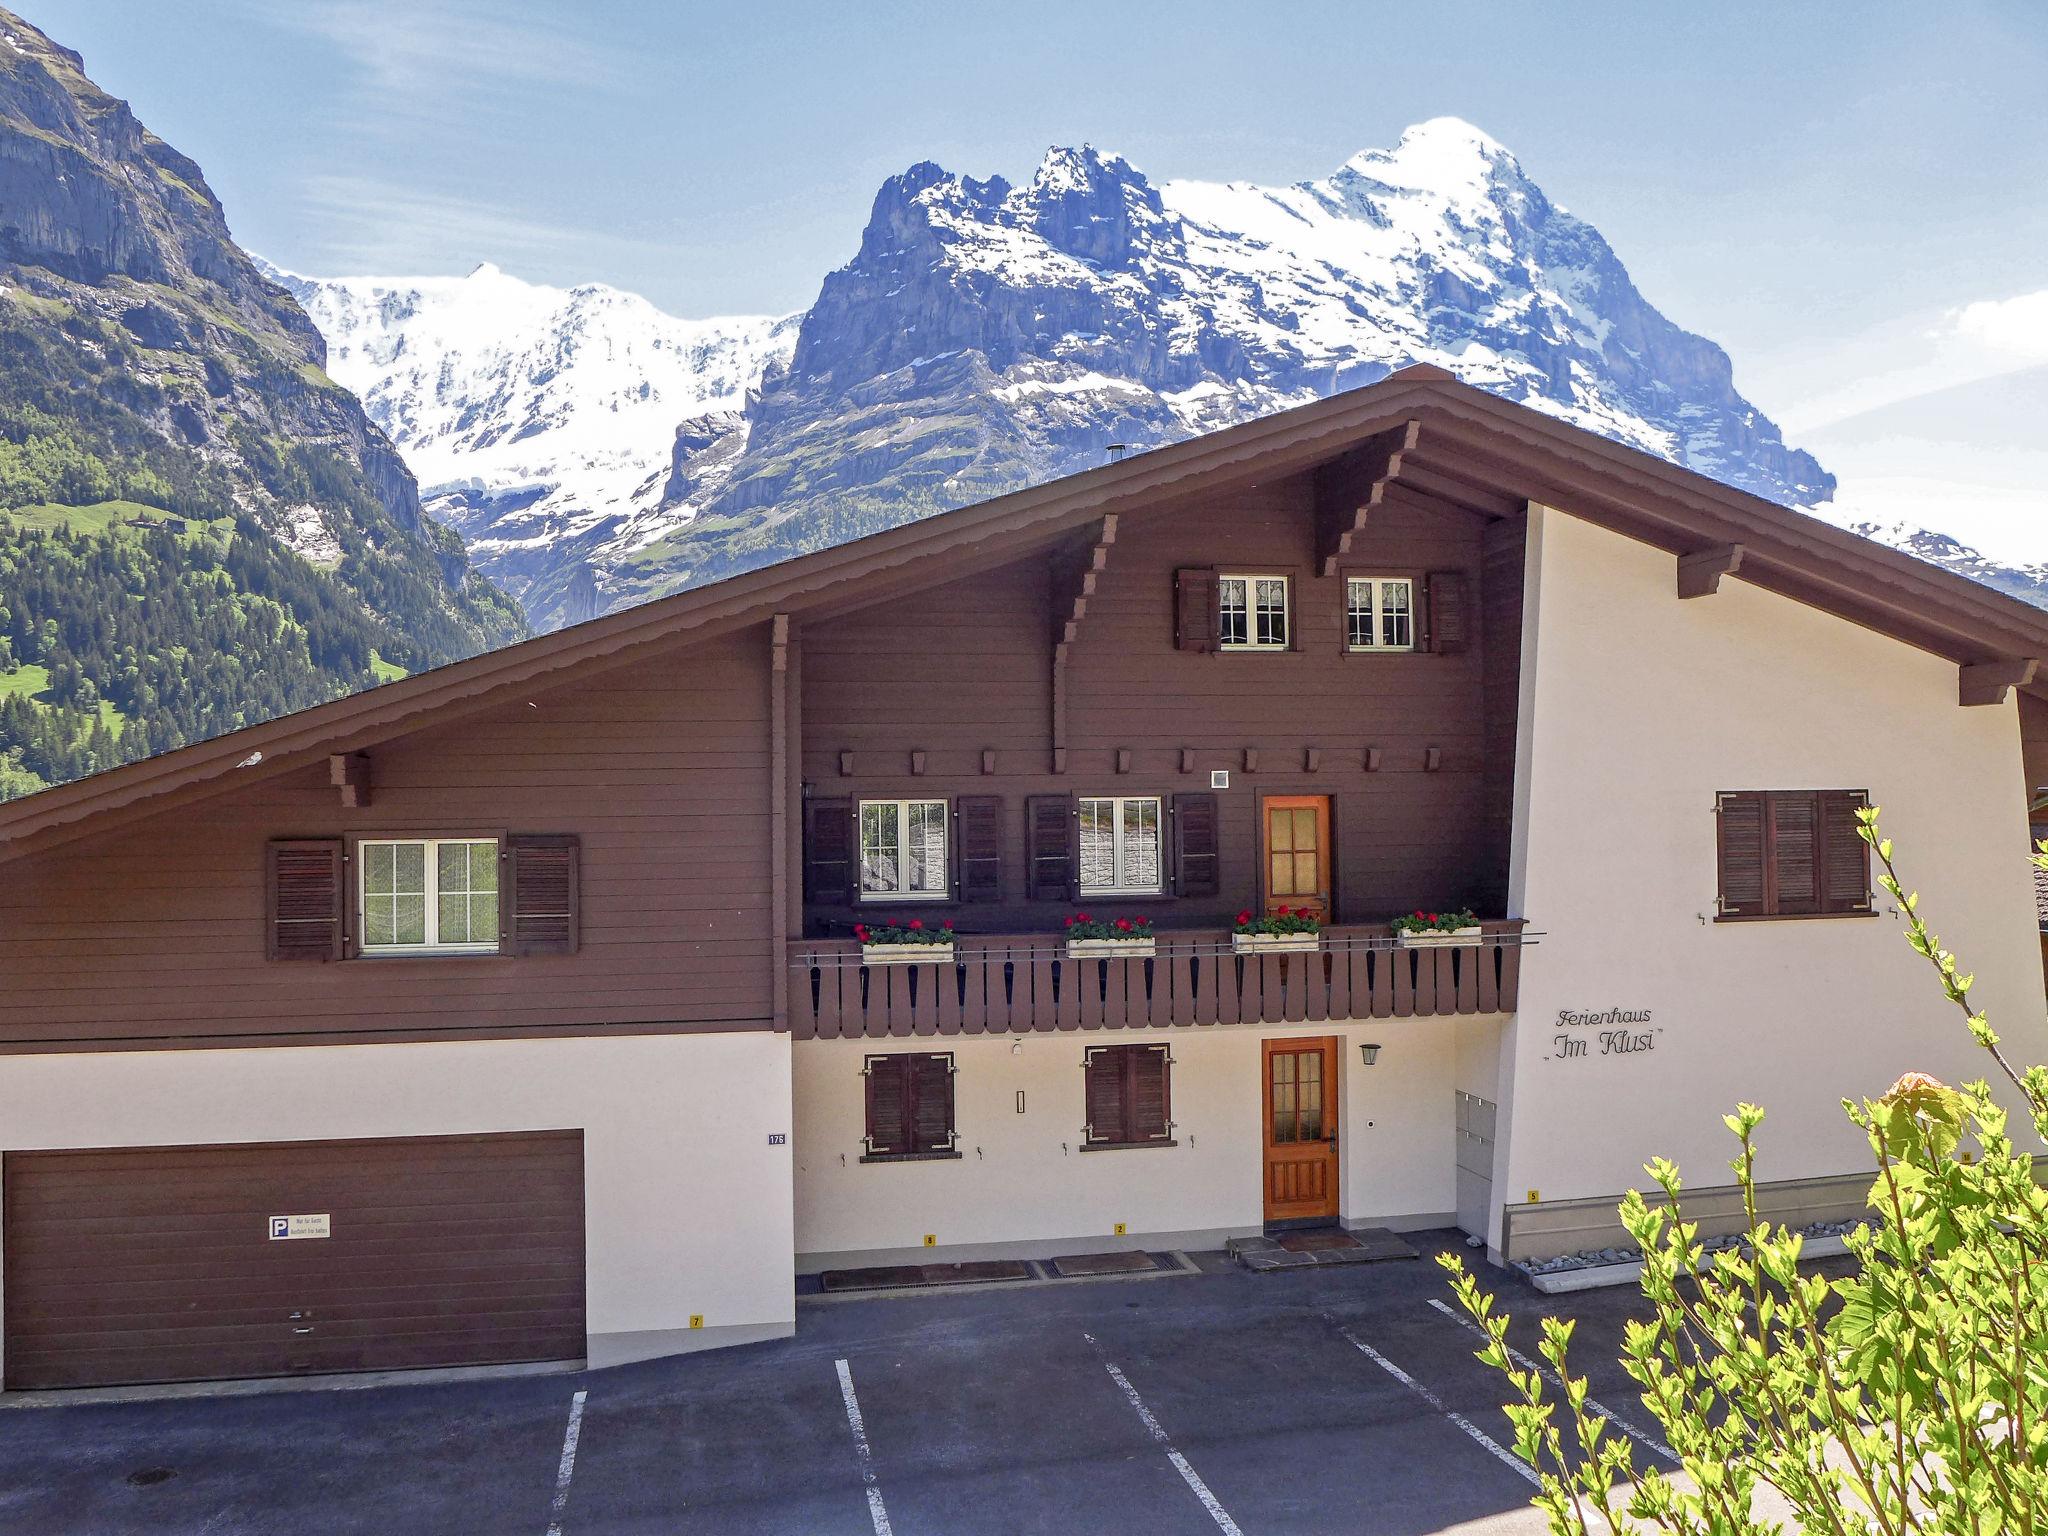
1015,984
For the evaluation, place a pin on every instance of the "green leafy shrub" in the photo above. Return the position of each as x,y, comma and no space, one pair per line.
1910,1395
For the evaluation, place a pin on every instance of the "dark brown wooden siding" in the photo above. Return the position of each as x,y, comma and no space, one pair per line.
1504,556
966,668
156,1263
154,934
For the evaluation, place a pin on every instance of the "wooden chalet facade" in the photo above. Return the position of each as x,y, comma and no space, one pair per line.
567,941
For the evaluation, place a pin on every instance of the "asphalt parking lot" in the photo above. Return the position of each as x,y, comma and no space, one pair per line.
1332,1400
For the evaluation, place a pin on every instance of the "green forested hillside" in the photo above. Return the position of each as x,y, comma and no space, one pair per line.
199,528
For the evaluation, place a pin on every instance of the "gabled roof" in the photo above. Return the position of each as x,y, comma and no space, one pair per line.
1418,436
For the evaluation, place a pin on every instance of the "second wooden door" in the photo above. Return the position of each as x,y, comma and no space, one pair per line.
1301,1129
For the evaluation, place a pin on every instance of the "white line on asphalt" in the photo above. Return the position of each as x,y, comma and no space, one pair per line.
1641,1436
567,1469
877,1511
1180,1463
1499,1451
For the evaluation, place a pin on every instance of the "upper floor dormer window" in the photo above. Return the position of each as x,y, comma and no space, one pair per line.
1380,613
903,850
1251,612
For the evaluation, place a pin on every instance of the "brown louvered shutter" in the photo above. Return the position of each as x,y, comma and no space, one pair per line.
828,851
1103,1067
980,846
1049,850
1450,612
1793,821
305,900
1741,846
539,901
888,1103
1197,856
1150,1114
1194,610
931,1113
1844,856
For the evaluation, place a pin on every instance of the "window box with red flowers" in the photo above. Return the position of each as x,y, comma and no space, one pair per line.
1437,930
910,943
1099,938
1284,932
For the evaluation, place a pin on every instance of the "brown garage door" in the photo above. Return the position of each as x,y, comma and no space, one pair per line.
158,1263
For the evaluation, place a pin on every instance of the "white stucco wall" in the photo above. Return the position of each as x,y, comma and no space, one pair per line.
687,1206
1023,1187
1637,708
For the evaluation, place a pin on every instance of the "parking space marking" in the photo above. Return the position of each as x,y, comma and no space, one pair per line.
1642,1437
567,1469
1152,1427
877,1510
1494,1447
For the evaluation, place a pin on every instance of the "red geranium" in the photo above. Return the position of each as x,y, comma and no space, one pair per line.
947,925
1245,916
1124,923
916,924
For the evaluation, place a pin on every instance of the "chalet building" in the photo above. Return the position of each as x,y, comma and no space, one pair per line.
519,1010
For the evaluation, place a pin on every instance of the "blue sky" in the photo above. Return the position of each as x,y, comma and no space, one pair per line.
1822,189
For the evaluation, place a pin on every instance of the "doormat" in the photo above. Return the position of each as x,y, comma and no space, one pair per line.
900,1277
1076,1265
1318,1246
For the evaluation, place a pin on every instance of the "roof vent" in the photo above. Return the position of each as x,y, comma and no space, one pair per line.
1116,451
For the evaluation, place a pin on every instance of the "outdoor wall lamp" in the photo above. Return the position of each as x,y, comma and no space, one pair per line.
1371,1053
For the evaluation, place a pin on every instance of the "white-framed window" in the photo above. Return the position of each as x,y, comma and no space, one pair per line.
1120,845
903,850
1379,613
1251,613
418,895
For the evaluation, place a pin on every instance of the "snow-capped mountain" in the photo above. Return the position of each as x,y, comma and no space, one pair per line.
596,452
985,336
539,421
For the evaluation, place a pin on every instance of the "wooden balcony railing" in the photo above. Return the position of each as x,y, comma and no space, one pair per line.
1016,984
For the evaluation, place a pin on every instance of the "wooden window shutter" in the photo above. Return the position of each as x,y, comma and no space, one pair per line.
1049,850
1194,610
1450,612
1793,829
1150,1113
980,847
305,899
931,1110
888,1103
1844,856
1741,843
1103,1067
1197,854
539,902
829,852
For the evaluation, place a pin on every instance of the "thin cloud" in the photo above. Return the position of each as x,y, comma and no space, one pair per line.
415,61
365,226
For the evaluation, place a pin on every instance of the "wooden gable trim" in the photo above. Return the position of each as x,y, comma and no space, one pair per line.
1348,488
1072,589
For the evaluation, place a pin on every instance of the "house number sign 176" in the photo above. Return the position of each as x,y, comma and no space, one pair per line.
1602,1032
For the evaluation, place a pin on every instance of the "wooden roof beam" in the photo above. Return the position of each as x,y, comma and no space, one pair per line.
1989,682
349,772
1350,486
1700,573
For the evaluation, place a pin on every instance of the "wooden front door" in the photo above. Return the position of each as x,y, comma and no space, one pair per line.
1301,1129
1297,842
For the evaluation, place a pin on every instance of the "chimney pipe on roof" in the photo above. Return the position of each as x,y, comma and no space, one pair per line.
1116,451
